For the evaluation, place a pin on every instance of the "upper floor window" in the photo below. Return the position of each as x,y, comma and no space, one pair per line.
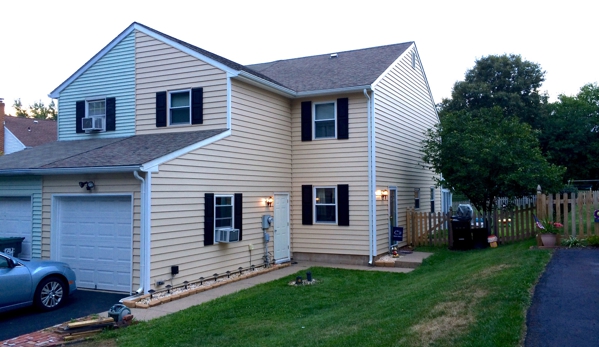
179,107
325,120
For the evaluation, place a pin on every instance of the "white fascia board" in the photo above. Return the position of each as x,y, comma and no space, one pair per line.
185,49
392,65
260,82
55,94
152,166
356,89
71,170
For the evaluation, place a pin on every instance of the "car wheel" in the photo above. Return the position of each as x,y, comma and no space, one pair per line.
50,293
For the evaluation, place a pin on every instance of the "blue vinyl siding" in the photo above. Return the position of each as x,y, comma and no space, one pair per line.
15,186
111,76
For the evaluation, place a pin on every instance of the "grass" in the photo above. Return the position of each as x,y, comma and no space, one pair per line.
472,298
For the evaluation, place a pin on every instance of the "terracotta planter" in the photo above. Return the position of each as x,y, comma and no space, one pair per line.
548,240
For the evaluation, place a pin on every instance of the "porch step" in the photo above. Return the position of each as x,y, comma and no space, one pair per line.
407,261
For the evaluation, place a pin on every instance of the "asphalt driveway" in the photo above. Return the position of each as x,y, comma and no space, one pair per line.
82,303
565,305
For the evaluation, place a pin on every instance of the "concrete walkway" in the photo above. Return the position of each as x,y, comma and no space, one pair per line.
196,299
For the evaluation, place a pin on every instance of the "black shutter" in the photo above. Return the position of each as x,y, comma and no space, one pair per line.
197,106
208,219
161,109
238,214
343,205
307,207
79,115
110,114
342,119
307,121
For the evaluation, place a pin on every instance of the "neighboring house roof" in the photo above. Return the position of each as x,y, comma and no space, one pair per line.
294,77
359,67
111,152
31,132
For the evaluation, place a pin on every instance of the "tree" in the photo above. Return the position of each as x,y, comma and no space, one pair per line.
505,81
40,111
486,154
570,133
18,106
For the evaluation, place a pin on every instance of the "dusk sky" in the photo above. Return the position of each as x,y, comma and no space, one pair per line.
44,42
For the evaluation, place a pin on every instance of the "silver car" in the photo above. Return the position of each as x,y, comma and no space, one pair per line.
45,284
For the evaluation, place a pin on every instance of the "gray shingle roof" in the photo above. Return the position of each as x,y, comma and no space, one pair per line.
128,151
321,72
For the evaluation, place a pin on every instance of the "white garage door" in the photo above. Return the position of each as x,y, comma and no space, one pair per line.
95,239
15,221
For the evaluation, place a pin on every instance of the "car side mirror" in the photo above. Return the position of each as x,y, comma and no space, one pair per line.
11,263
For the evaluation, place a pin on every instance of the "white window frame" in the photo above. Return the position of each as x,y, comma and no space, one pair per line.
168,106
432,205
334,102
336,204
232,213
96,99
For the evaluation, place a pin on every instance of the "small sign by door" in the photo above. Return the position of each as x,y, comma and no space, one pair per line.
397,233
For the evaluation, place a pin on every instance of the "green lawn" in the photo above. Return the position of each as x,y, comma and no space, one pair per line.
473,298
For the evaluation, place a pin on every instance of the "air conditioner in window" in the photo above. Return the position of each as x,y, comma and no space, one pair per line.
227,235
93,123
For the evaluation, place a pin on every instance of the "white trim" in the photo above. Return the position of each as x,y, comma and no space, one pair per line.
373,163
336,222
334,102
320,92
261,82
392,66
148,244
70,170
229,96
371,188
55,94
232,196
153,165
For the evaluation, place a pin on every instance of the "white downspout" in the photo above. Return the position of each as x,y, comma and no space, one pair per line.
370,186
144,266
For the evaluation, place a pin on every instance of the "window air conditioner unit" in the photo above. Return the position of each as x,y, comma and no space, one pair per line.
227,235
93,123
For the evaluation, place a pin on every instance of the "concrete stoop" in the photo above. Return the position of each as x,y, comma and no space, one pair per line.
406,261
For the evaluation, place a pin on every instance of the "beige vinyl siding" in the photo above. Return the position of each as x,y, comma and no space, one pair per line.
160,67
329,163
254,161
404,110
124,183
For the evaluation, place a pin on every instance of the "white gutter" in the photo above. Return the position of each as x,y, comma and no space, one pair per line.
70,170
144,266
355,89
371,193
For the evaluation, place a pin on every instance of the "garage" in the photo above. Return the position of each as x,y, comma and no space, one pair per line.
16,221
94,236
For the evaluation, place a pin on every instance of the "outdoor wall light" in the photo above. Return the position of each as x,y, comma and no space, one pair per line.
384,194
88,184
268,201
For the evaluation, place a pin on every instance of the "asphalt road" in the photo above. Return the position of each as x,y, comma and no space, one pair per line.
80,304
565,305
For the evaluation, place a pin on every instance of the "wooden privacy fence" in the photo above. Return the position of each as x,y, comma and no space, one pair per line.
575,211
434,229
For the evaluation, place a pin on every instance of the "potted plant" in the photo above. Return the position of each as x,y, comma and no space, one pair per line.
549,231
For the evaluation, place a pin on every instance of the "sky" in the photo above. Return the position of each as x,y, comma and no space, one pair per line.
44,42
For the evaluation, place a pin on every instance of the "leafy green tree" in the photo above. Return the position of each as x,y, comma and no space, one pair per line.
505,81
18,106
39,111
486,154
570,133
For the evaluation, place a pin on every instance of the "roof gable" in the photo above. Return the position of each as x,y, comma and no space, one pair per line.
31,132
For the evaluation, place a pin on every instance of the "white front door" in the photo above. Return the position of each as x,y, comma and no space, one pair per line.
94,236
15,221
281,227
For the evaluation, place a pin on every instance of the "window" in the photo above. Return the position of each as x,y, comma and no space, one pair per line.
416,197
324,120
223,212
432,199
179,107
325,204
96,108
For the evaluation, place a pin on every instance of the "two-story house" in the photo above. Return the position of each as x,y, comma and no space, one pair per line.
170,155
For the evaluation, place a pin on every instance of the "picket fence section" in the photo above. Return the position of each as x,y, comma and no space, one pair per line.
575,211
